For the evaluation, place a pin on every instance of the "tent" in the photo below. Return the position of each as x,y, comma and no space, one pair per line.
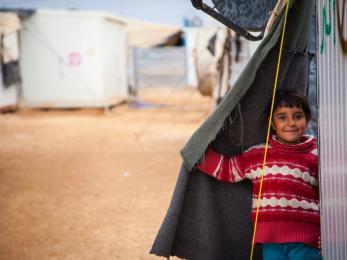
145,34
210,220
154,59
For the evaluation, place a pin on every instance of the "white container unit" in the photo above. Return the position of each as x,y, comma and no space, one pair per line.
73,59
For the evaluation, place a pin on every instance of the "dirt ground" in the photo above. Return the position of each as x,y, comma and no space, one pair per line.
90,184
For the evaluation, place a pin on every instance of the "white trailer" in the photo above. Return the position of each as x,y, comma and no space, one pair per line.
73,59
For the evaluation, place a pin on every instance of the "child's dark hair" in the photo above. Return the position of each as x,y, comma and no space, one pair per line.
290,98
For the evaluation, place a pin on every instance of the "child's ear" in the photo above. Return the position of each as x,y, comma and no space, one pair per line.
306,125
272,125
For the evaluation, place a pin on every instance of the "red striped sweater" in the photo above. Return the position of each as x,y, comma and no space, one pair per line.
289,209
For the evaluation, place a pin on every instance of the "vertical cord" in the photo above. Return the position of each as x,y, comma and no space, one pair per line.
268,130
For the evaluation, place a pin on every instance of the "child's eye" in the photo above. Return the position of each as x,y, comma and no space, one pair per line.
282,118
299,116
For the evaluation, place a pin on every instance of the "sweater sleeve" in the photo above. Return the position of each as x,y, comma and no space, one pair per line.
223,168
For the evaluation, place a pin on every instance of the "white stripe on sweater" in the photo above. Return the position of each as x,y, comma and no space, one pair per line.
259,146
284,203
287,210
235,170
286,179
285,171
282,194
218,167
314,151
272,163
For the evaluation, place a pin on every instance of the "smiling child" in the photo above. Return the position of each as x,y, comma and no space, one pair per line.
288,221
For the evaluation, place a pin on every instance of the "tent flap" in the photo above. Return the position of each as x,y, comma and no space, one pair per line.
258,74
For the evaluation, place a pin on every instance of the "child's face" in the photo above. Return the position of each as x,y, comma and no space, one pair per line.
289,124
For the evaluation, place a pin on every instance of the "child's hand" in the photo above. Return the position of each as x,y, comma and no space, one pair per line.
319,243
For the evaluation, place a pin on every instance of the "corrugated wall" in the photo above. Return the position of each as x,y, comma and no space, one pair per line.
332,92
159,67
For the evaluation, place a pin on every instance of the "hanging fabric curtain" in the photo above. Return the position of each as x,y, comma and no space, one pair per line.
211,220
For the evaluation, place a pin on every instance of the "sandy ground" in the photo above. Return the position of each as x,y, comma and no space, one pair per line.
82,184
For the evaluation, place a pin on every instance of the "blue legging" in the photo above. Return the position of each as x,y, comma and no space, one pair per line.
290,251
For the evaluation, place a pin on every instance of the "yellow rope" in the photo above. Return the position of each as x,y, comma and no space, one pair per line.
268,130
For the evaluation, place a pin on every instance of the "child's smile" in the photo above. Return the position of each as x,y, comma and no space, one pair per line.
289,124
